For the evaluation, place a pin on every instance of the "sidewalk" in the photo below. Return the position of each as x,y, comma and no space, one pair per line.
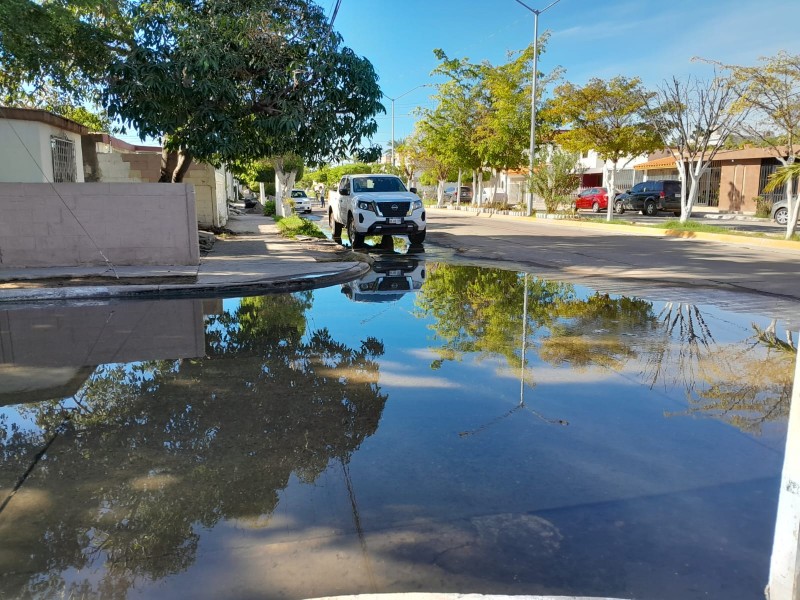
256,260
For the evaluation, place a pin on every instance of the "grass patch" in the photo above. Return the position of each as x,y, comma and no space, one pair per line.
676,225
294,225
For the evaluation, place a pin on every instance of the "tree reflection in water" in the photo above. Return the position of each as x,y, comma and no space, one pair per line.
745,384
151,452
479,311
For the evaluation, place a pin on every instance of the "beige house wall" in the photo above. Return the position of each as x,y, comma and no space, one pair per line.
72,224
121,167
25,154
738,186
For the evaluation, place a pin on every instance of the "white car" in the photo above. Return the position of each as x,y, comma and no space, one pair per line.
302,203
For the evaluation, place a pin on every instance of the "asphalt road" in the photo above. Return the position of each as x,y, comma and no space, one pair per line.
741,276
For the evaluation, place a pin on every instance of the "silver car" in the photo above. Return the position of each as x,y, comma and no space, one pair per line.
302,203
780,212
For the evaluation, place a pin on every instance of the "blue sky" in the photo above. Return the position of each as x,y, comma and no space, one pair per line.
601,38
589,38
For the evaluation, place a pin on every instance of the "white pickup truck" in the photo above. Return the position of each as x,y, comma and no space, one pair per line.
376,204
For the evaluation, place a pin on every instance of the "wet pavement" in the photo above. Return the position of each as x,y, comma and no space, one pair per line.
426,427
431,424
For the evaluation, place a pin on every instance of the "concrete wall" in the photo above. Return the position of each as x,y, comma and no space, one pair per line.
64,224
25,154
122,167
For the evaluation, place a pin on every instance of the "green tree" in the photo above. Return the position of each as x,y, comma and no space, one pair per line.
609,117
555,177
220,80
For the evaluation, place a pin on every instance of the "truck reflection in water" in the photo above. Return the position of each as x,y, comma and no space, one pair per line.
392,276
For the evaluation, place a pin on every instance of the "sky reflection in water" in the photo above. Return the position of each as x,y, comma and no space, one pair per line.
323,443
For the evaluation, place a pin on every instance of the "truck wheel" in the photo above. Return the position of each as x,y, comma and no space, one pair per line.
336,228
650,208
356,239
417,238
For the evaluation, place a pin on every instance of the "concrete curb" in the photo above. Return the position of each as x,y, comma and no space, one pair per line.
268,285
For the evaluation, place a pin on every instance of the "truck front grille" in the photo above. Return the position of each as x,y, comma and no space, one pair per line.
393,209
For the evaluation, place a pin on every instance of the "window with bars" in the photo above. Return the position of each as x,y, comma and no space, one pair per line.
65,168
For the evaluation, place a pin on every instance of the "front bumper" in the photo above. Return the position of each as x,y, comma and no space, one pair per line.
369,223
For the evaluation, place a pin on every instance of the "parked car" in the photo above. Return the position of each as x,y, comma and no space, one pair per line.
464,196
595,198
649,197
780,212
302,203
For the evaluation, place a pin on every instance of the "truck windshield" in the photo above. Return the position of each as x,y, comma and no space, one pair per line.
378,184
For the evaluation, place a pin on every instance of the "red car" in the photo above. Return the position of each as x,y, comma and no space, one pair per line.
595,198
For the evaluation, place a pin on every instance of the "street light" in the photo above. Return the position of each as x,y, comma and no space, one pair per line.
532,147
398,98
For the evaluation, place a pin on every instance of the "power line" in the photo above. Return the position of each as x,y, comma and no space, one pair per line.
335,12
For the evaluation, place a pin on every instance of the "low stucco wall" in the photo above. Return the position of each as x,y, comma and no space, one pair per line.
69,224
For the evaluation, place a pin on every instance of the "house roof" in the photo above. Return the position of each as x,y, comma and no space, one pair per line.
42,116
668,162
659,163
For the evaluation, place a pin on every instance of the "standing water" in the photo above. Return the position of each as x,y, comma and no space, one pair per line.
429,427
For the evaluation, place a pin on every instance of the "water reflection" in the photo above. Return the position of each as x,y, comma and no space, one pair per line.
300,449
148,454
392,275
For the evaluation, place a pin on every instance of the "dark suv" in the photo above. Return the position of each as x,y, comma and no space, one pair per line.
649,197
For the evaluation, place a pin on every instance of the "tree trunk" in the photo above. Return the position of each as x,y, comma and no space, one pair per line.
695,173
440,193
174,165
496,176
479,191
792,207
184,162
458,190
474,186
284,182
169,160
612,177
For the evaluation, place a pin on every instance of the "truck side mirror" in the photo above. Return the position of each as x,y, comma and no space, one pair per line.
412,190
344,192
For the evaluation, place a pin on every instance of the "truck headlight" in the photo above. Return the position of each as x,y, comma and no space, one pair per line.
416,204
362,205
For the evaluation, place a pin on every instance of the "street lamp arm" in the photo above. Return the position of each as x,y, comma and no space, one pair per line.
537,12
398,98
406,93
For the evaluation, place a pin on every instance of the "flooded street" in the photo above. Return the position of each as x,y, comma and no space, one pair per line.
429,427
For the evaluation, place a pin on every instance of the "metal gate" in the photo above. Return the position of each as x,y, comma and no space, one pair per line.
708,194
64,166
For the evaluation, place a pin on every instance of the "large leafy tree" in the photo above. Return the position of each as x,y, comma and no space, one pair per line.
608,116
217,80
